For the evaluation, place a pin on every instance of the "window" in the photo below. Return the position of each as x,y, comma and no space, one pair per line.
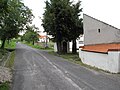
99,30
80,42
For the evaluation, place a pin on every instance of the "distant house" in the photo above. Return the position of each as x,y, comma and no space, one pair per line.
42,38
101,45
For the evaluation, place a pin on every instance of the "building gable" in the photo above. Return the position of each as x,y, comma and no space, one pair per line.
98,32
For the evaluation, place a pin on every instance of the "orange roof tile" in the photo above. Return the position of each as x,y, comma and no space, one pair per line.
102,48
42,36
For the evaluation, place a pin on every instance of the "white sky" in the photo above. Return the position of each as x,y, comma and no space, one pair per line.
104,10
37,7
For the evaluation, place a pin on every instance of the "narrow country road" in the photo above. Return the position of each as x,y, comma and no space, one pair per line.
38,70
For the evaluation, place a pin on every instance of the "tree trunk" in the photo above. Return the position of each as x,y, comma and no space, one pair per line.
46,43
3,43
64,47
8,41
74,50
59,47
33,42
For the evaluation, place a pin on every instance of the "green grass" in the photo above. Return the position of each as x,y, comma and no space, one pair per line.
11,44
1,55
10,62
0,42
38,46
4,86
74,58
70,57
3,52
8,47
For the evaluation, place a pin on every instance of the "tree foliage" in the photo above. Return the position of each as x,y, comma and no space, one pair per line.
14,16
61,20
31,35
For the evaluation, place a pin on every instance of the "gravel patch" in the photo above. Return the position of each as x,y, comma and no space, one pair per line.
5,74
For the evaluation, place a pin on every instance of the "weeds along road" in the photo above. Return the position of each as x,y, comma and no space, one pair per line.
38,70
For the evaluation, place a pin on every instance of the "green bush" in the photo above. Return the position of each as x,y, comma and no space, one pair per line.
10,62
4,86
3,51
11,44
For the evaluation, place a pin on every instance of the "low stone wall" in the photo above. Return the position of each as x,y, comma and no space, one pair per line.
109,61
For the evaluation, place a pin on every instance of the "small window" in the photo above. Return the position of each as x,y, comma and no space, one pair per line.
80,42
99,30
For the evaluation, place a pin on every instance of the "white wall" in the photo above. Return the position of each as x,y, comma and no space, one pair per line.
43,40
108,34
77,45
109,62
79,42
55,47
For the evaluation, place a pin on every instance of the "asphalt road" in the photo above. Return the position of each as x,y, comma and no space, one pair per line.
38,70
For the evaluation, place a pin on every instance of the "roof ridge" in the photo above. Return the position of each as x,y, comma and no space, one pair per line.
101,21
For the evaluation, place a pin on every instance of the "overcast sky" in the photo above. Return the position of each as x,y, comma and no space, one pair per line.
104,10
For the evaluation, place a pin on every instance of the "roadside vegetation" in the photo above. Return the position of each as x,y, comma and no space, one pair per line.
31,38
40,45
7,56
69,56
3,53
10,62
10,44
14,17
31,35
4,86
62,20
74,58
8,48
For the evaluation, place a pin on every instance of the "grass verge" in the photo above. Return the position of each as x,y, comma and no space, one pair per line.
3,56
74,58
10,62
4,86
38,46
70,57
2,53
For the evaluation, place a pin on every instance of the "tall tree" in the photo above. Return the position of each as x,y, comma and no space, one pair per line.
54,19
14,16
61,20
77,25
31,35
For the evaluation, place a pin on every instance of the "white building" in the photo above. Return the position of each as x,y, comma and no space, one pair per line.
42,38
79,42
101,45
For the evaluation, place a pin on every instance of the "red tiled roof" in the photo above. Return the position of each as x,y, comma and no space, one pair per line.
42,36
102,48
